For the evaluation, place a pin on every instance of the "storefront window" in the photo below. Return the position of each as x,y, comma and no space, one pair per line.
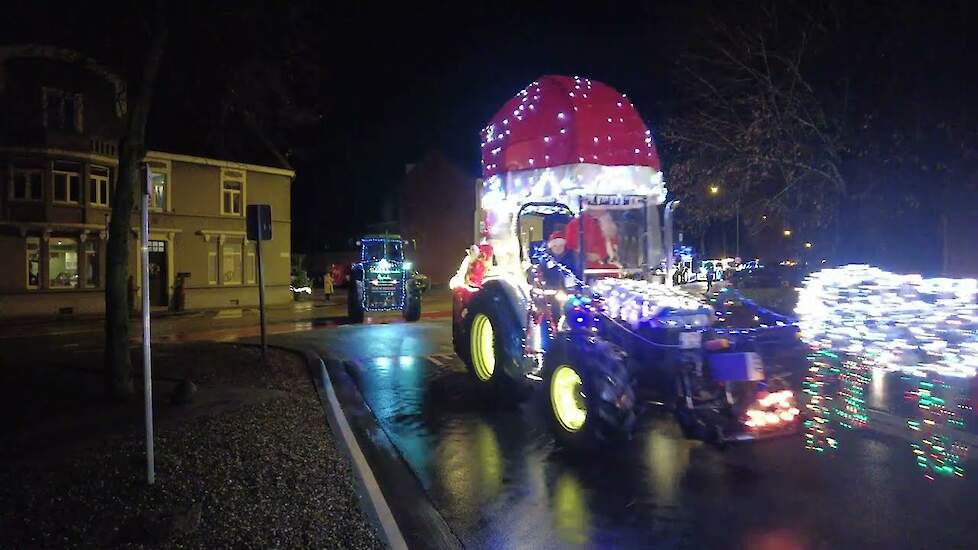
63,262
33,262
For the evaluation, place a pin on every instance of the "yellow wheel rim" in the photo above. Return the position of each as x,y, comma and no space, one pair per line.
566,398
483,347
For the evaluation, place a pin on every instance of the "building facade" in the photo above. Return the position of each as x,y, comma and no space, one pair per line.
61,119
437,209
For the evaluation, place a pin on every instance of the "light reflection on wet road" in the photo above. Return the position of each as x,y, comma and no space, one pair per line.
497,478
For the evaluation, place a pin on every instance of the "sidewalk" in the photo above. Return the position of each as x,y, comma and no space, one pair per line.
246,463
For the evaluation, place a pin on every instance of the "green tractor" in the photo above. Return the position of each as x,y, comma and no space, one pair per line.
383,280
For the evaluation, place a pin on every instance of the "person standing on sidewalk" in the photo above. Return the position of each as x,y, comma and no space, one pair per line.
328,285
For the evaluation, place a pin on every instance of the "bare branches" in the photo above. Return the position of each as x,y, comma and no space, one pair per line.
754,119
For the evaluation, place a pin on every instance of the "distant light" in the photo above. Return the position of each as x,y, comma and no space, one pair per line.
808,245
787,232
714,189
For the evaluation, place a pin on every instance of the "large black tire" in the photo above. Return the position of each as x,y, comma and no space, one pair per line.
354,307
491,345
412,304
601,387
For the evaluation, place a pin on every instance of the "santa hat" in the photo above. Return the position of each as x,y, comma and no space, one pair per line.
557,237
486,249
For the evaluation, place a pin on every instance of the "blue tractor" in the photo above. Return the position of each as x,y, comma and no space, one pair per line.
383,280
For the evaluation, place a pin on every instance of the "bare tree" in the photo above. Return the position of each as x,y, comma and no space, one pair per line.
131,152
753,125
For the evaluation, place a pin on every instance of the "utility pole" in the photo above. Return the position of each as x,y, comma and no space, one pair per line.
147,359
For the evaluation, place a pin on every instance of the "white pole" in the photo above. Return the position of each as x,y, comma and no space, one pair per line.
261,285
147,361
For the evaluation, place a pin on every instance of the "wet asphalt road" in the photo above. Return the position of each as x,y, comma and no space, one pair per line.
499,481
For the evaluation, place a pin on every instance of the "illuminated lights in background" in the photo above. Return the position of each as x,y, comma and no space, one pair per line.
900,322
819,432
937,453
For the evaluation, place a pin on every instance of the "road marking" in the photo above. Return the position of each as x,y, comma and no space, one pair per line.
433,359
384,515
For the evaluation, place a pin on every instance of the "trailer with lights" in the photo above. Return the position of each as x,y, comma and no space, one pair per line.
383,280
559,293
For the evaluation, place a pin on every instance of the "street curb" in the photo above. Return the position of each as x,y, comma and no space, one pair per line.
379,508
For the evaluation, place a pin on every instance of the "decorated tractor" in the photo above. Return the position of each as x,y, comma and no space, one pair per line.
383,280
559,293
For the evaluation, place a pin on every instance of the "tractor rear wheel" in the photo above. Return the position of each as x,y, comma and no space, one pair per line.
491,342
412,305
589,392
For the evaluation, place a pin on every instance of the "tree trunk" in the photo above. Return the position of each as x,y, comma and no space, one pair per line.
118,366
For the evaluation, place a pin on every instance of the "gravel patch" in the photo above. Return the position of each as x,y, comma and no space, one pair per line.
266,474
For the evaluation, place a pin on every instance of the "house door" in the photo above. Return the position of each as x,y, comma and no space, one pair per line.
157,274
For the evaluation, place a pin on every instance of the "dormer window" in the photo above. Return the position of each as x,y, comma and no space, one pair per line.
62,110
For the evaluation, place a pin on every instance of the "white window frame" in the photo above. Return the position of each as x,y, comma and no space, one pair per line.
54,186
98,200
236,248
164,167
236,175
27,172
27,262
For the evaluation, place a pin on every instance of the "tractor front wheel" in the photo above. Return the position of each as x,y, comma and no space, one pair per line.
494,346
589,392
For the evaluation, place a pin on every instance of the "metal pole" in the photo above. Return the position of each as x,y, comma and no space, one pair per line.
261,286
667,225
147,359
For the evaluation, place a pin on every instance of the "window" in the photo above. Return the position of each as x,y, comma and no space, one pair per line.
98,186
33,262
91,264
161,178
212,268
63,262
67,183
232,191
232,262
26,184
251,267
62,110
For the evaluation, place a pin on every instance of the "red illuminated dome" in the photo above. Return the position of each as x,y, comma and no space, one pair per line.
560,120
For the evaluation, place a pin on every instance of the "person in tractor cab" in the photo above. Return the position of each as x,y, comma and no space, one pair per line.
481,261
557,246
600,238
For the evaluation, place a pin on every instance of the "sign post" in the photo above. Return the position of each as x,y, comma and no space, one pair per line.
147,359
259,225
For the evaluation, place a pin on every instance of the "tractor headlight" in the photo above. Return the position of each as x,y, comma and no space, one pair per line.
407,266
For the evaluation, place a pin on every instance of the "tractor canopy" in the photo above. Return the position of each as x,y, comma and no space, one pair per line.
565,137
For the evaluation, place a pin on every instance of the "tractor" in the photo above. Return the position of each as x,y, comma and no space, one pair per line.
559,292
383,280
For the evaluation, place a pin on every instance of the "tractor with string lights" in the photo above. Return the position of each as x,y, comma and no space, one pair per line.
383,280
560,290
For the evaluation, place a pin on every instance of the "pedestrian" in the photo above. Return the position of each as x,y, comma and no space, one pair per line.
710,275
328,285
